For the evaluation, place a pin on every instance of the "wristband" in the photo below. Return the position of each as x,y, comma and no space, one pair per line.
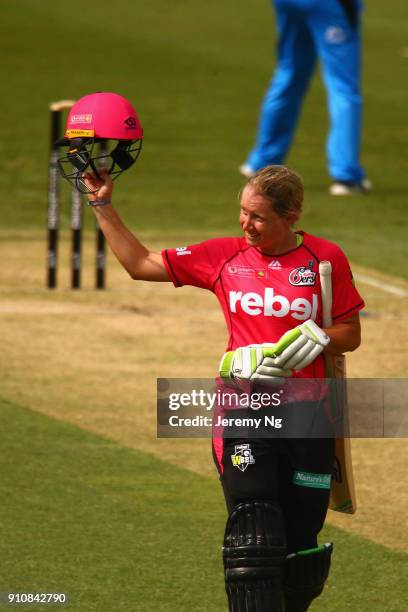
100,202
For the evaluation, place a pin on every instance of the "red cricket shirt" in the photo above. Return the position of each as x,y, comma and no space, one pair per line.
263,296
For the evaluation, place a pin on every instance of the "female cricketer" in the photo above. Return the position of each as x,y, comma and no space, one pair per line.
267,283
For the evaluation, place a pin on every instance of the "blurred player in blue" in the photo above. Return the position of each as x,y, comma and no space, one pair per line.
311,29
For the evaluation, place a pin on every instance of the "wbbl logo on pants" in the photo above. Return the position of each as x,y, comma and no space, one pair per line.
242,457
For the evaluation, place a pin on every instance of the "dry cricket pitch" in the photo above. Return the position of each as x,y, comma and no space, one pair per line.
92,359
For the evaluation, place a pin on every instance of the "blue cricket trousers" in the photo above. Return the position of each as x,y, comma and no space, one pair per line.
311,29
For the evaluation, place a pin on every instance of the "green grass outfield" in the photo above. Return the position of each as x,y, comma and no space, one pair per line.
115,528
120,530
196,73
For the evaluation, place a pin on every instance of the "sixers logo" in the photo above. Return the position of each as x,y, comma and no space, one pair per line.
302,277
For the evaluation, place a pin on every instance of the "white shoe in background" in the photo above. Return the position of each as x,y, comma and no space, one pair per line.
347,188
247,171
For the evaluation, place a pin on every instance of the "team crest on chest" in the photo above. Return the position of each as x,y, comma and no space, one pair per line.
302,277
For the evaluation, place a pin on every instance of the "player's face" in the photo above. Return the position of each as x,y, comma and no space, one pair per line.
262,226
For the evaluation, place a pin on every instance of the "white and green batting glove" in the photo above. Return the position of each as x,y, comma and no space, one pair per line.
255,363
299,347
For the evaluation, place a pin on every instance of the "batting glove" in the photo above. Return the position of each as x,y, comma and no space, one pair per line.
300,346
255,363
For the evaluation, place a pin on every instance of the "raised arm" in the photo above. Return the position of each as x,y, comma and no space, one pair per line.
137,260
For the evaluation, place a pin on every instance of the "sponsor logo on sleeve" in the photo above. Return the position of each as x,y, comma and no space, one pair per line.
302,277
183,251
242,457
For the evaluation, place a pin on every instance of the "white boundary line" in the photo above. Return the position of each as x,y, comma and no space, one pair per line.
374,282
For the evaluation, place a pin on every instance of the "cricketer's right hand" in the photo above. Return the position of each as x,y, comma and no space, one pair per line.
101,185
254,363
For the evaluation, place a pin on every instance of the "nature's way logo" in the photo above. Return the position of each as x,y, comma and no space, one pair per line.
309,479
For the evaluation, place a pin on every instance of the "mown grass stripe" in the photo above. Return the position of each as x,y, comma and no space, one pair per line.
202,70
121,530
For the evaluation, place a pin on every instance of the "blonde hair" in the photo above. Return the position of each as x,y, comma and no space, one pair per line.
282,186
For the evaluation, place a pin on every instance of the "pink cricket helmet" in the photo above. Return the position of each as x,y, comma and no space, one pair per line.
102,130
104,115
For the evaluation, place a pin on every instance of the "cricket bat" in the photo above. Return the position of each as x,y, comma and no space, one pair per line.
342,494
